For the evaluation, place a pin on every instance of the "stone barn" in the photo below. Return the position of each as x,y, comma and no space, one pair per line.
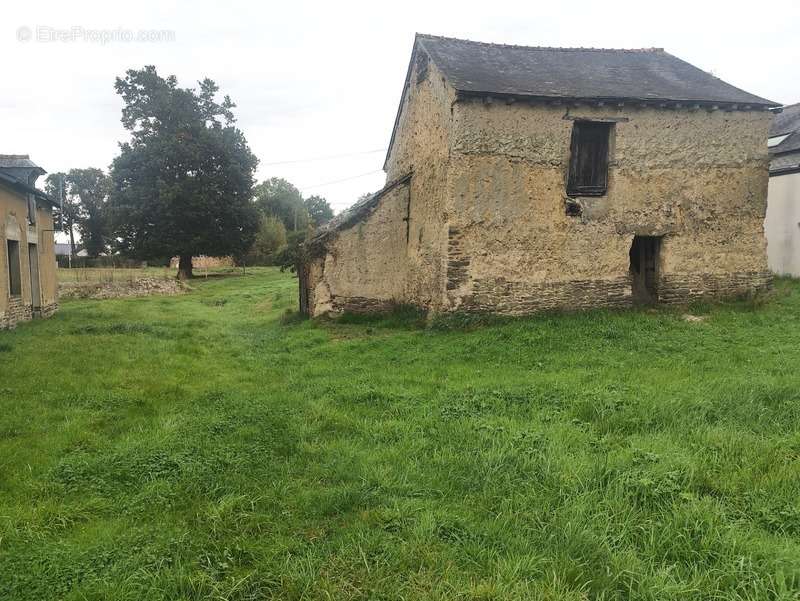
522,179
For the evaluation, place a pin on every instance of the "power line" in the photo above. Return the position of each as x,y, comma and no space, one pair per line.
338,181
325,158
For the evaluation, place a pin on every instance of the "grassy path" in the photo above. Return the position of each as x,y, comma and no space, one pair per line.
206,447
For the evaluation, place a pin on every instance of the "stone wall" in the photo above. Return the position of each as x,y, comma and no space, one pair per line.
366,264
678,288
484,225
14,226
204,262
16,311
48,310
396,254
697,178
422,147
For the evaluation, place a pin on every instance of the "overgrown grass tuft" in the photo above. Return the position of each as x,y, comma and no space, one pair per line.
215,445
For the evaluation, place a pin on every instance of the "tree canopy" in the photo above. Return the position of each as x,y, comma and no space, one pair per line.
66,214
183,183
319,210
270,238
277,197
91,187
85,192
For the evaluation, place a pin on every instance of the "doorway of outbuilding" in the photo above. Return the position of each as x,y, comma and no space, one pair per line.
644,256
33,262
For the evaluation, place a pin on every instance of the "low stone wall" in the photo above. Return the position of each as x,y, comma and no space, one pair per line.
16,312
519,298
679,288
360,304
204,262
143,286
505,297
48,310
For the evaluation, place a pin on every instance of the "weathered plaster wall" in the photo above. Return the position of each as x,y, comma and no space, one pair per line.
14,225
48,274
397,254
422,146
366,266
783,224
698,178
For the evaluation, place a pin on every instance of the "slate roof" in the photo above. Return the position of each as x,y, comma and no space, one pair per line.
591,73
785,163
786,122
18,161
594,74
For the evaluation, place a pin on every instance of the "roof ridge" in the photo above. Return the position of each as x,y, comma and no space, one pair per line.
15,156
522,47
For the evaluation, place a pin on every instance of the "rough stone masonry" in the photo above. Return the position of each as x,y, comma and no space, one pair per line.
523,179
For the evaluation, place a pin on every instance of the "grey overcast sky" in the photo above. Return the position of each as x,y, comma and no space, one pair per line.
316,79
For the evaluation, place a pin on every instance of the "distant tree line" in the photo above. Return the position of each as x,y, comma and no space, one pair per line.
286,219
183,185
83,194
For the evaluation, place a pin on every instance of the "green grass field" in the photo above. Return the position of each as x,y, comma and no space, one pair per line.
210,446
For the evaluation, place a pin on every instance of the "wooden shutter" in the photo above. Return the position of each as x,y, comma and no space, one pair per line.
588,165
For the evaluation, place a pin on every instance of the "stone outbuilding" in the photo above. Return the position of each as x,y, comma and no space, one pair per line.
28,285
522,179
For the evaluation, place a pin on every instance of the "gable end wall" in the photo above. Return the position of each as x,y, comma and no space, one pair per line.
396,254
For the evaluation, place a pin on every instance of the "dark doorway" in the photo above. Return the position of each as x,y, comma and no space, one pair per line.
33,262
14,277
644,268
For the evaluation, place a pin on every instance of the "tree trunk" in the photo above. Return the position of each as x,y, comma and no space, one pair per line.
185,267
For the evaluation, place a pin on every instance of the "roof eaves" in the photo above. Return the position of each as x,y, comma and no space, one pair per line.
784,171
21,186
650,101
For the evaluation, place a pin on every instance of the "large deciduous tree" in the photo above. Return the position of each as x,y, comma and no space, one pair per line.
276,197
319,210
82,195
183,183
91,187
67,212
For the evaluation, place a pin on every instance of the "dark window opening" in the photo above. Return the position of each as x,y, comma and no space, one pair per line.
33,264
644,255
573,209
588,164
14,277
31,209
